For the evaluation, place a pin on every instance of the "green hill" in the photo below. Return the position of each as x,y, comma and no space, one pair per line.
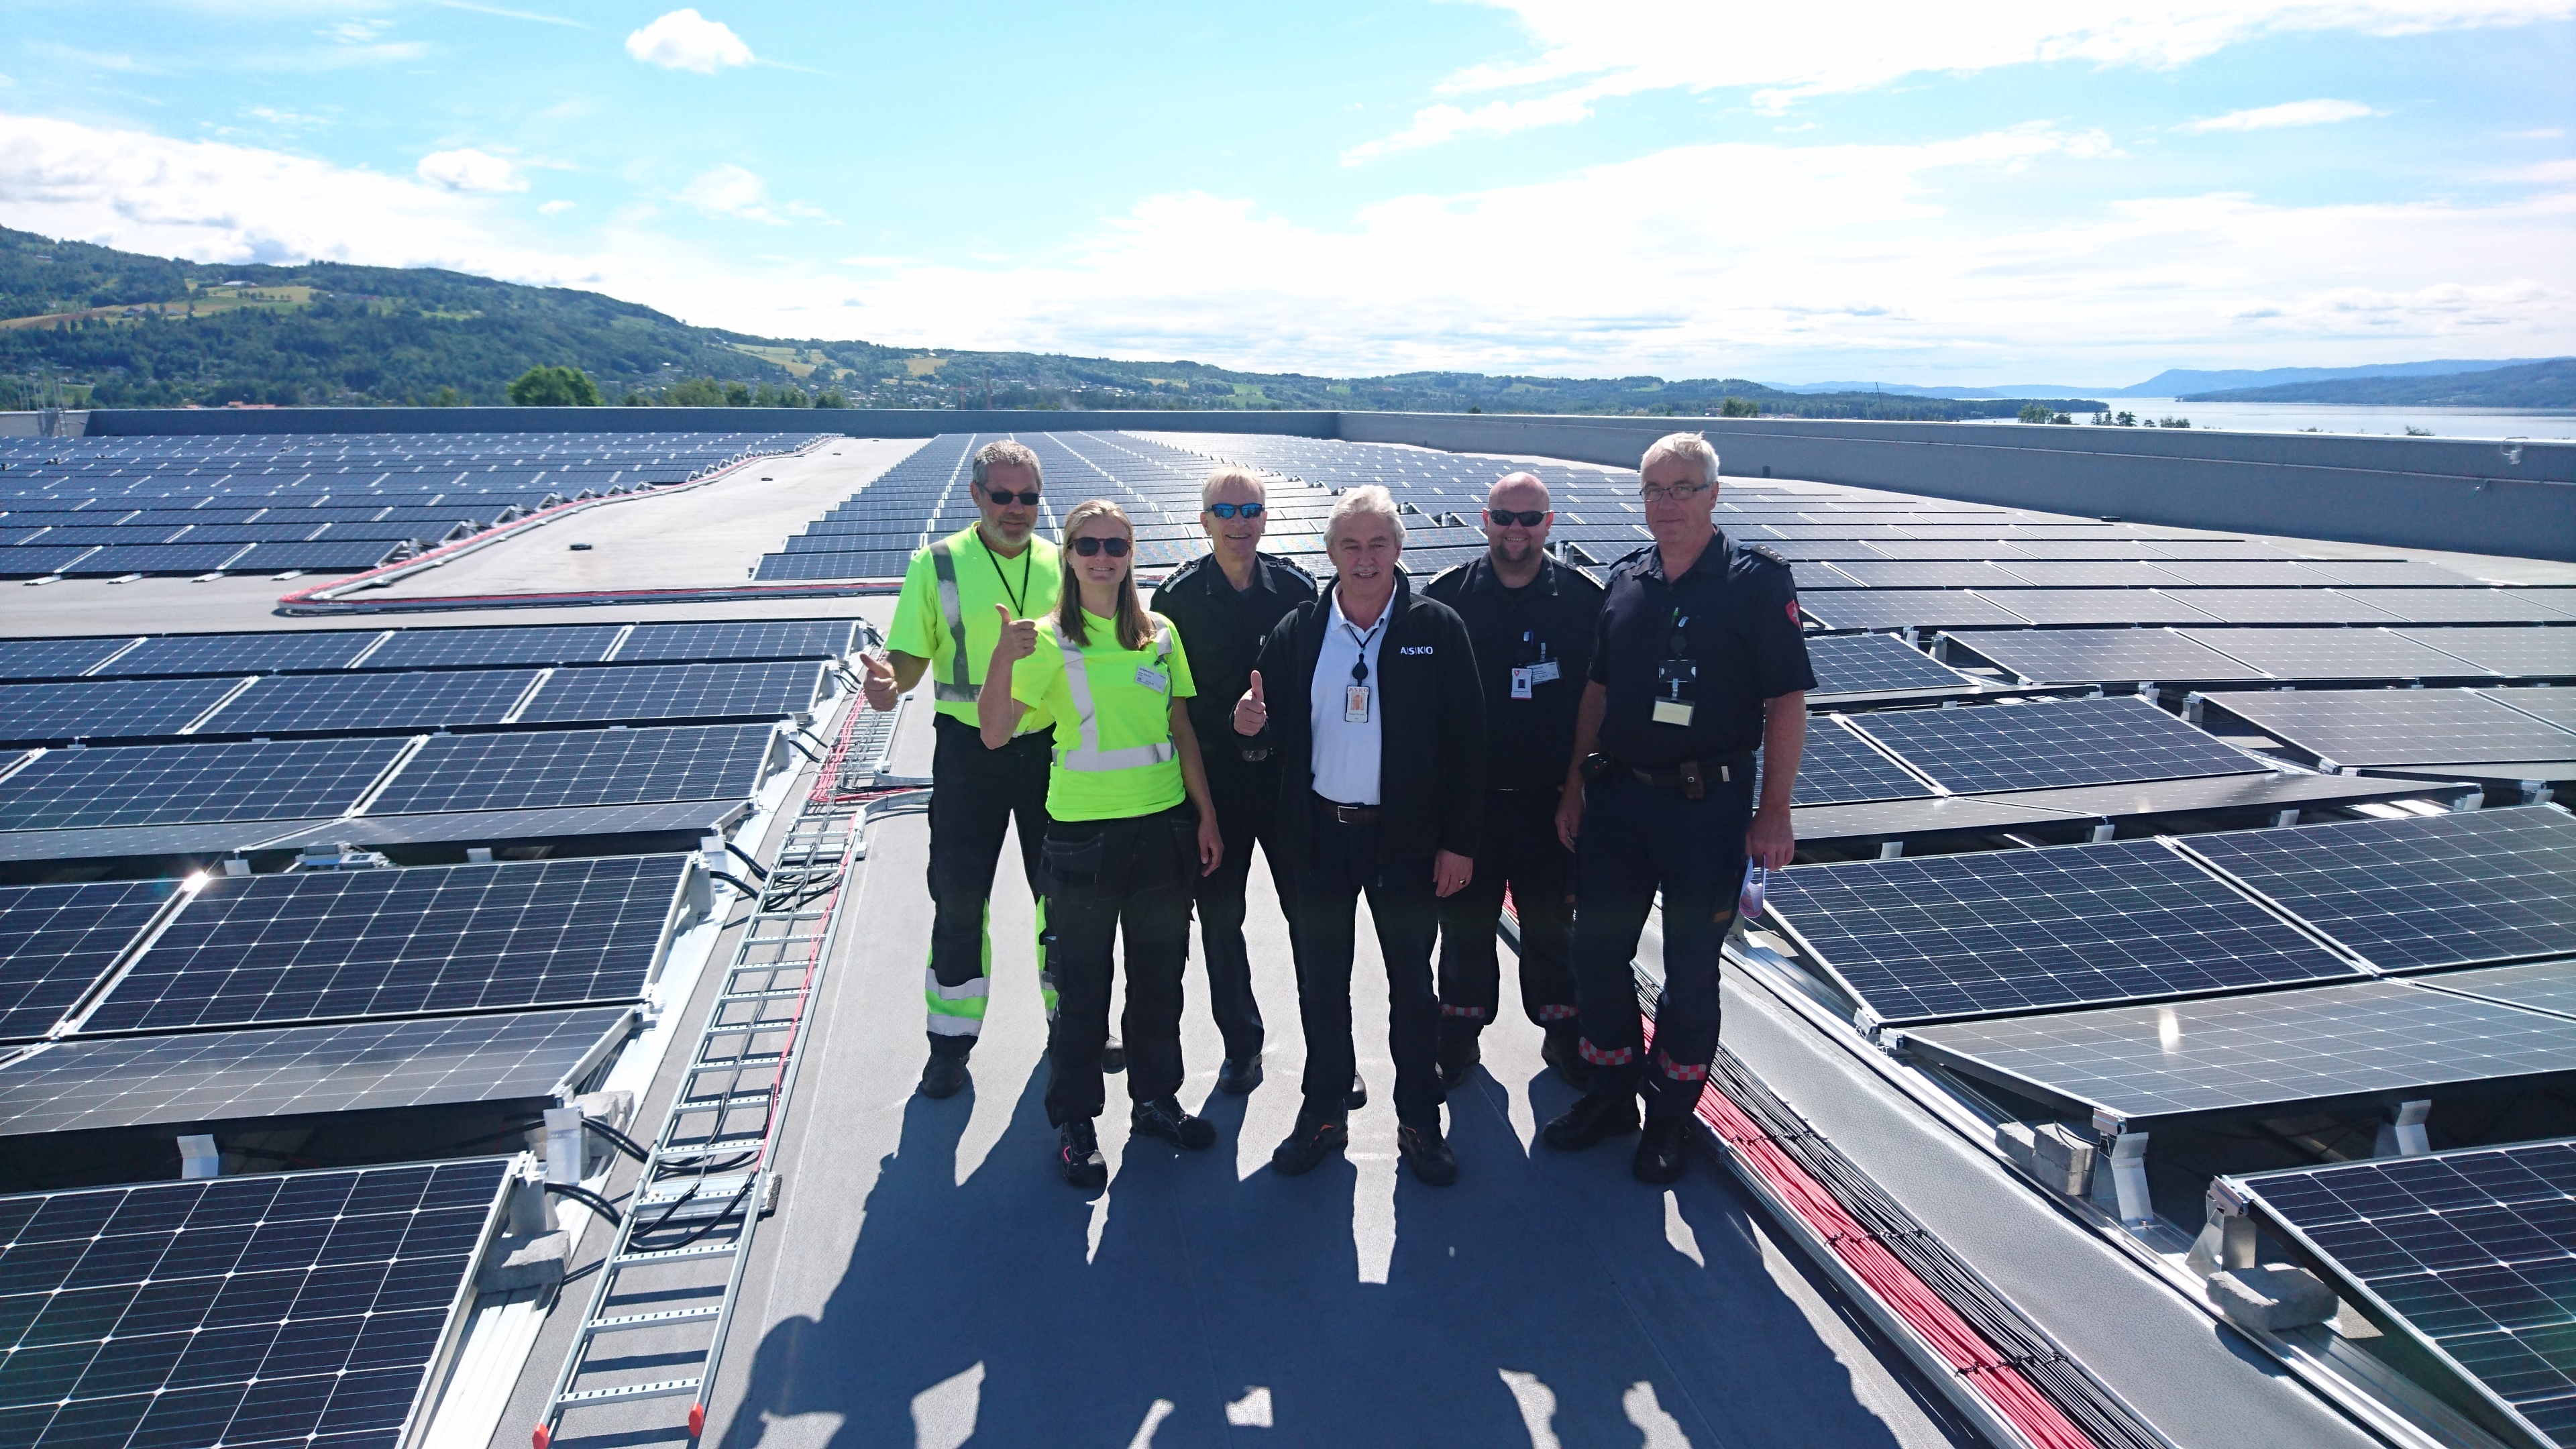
2534,385
91,325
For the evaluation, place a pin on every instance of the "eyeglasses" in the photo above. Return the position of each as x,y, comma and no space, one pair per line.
1235,510
1087,547
1526,518
1004,497
1678,493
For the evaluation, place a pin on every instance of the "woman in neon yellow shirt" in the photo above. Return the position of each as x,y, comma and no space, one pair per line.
1132,820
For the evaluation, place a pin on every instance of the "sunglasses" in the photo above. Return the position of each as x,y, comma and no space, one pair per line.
1087,547
1232,510
1004,498
1526,518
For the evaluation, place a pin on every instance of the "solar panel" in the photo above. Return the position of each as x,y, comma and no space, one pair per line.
2457,606
1875,664
56,940
2550,706
2388,572
617,692
2471,1250
2088,656
2362,653
2052,745
533,644
2541,653
293,1310
332,703
2288,606
2426,891
738,639
1907,574
2541,986
1881,609
156,558
217,1076
239,654
270,949
37,714
2398,726
2103,606
2245,574
552,768
2108,574
1839,768
321,555
185,784
2263,1049
801,567
1930,937
55,658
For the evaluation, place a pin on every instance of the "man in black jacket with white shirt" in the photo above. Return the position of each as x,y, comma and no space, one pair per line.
1380,735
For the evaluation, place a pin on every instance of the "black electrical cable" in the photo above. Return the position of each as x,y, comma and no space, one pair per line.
588,1199
617,1139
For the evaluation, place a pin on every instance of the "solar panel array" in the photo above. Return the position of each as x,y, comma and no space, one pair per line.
2428,727
556,768
189,784
57,941
2051,744
2473,1251
376,650
249,1311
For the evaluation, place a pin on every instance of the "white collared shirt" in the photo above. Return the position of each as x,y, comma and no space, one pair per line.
1346,754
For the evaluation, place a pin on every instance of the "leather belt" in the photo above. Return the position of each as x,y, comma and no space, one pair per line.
1718,771
1348,814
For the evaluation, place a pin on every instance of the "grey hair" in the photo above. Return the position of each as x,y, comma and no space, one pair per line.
1368,498
1231,474
1683,445
1009,455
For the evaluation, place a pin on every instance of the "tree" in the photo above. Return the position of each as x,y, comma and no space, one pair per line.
1737,407
695,392
737,395
554,387
831,398
2034,413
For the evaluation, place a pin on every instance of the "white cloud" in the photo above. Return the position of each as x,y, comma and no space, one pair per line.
467,169
2267,118
686,40
1591,50
555,208
730,190
276,117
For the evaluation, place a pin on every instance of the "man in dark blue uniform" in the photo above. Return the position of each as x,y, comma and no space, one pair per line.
1532,621
1225,602
1701,657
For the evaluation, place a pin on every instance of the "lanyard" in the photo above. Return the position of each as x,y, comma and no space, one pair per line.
1028,560
1359,666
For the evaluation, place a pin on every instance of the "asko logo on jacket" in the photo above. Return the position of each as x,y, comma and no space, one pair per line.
1418,649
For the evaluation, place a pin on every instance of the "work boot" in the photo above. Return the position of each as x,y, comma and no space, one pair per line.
1164,1118
1357,1096
1597,1117
1077,1155
1237,1076
1424,1150
1459,1052
1309,1143
1564,1051
1663,1151
1113,1057
942,1076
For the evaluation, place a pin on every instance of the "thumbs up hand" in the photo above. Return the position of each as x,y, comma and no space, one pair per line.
1251,713
879,686
1019,637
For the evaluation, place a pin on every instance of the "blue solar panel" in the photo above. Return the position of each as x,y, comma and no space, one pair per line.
333,703
2000,747
1876,663
535,644
239,654
321,556
36,714
56,940
55,658
616,693
189,784
738,639
555,768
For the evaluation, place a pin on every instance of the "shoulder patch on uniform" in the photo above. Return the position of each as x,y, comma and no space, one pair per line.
1290,564
1761,550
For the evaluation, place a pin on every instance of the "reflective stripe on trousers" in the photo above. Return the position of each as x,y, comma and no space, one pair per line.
957,688
1089,756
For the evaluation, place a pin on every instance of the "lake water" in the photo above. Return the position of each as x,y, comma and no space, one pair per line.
2296,417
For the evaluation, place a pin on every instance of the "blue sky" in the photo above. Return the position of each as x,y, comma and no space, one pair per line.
2017,192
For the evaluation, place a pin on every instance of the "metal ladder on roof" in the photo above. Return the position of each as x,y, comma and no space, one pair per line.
670,1282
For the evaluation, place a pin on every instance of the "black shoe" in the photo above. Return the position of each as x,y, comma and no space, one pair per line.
1598,1117
1113,1057
1663,1151
1459,1052
1564,1051
1357,1096
1164,1118
1427,1153
942,1076
1308,1145
1239,1075
1077,1155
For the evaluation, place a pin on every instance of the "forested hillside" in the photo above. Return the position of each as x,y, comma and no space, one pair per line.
2534,385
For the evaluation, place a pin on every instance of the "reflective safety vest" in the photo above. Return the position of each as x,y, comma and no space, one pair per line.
945,614
955,687
1089,755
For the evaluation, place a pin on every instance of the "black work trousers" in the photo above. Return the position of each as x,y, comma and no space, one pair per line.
1341,863
1638,839
1105,878
976,794
1519,850
1247,807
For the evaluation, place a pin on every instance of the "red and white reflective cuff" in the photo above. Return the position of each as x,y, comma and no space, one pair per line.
1472,1013
1558,1013
1599,1058
1675,1072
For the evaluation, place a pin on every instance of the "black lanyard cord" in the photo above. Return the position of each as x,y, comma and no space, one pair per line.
1028,561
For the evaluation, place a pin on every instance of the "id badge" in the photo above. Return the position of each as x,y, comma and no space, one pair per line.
1673,712
1355,704
1522,679
1152,678
1543,672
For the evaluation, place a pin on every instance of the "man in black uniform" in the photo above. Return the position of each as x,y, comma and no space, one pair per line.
1532,620
1700,658
1224,602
